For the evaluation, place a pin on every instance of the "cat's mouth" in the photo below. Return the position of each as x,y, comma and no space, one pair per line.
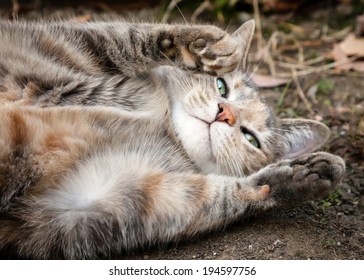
208,126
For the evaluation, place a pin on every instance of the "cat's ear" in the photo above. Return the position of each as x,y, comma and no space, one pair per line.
244,35
300,136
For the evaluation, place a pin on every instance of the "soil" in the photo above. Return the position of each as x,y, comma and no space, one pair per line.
329,229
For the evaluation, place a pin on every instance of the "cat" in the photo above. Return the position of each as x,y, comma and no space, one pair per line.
118,136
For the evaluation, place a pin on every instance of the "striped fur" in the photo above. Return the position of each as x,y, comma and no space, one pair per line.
114,136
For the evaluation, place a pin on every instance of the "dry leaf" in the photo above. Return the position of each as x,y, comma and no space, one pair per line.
352,45
338,54
343,61
265,81
356,65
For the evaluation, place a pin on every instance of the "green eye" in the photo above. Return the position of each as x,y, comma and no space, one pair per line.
221,86
251,138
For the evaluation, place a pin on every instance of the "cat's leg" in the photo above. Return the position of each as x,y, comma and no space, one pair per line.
134,48
186,204
86,220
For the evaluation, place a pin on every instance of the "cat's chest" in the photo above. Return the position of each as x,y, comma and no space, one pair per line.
151,144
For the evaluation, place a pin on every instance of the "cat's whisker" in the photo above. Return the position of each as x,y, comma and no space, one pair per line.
179,10
230,160
171,63
256,69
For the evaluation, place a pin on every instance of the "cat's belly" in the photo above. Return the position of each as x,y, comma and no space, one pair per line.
109,173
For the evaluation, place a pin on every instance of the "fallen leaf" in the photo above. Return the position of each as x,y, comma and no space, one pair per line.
343,61
352,45
266,81
338,54
356,65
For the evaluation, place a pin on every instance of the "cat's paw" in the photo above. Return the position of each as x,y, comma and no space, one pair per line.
203,48
216,57
308,177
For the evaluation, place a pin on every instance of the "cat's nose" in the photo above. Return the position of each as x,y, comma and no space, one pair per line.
225,114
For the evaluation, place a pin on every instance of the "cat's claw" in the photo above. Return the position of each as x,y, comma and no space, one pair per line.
216,57
308,177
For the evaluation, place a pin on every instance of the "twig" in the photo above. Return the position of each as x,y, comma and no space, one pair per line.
283,94
315,60
318,69
301,44
205,5
293,65
169,10
258,25
301,93
267,57
337,35
15,10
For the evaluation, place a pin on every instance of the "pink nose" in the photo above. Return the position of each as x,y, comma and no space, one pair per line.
225,114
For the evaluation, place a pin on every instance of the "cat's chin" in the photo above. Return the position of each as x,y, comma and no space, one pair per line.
219,132
194,134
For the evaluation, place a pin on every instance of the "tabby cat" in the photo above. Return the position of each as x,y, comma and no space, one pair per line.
116,136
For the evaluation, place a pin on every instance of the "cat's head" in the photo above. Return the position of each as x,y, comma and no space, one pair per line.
226,127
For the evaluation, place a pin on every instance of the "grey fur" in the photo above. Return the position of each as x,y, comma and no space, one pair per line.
113,137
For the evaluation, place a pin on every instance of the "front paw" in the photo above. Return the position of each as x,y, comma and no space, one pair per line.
308,177
203,48
216,57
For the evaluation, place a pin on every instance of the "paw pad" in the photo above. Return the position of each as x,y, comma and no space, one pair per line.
200,43
166,43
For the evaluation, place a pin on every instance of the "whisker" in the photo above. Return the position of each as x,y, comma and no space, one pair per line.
176,4
256,68
168,59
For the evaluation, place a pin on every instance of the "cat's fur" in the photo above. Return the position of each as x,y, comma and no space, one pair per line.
114,136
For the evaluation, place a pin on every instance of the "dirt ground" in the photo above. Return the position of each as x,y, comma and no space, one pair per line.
328,229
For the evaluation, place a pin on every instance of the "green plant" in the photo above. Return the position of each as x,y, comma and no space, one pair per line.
325,85
333,199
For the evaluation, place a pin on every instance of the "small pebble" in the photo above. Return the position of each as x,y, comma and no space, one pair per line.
277,242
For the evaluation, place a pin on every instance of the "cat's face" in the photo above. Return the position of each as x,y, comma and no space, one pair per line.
226,127
223,124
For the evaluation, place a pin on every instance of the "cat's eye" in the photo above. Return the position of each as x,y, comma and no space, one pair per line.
250,137
221,86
